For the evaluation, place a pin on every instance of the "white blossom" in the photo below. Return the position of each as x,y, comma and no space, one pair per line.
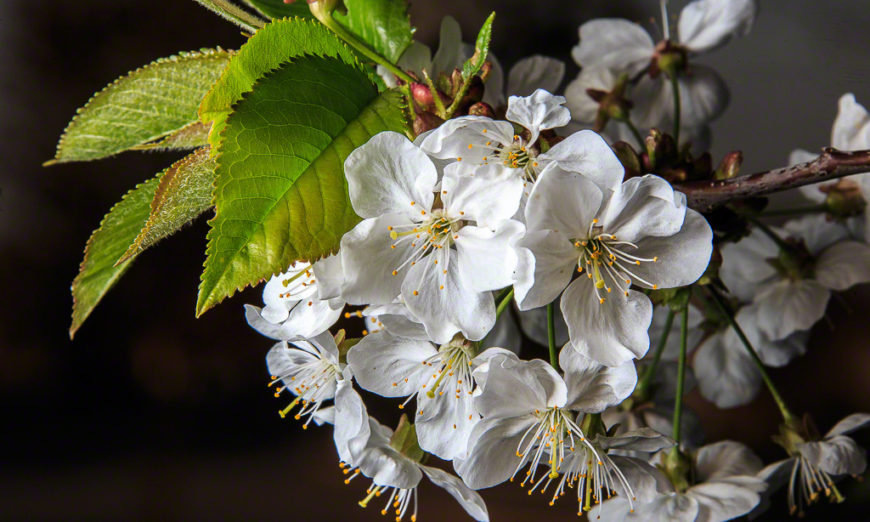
641,233
813,465
442,260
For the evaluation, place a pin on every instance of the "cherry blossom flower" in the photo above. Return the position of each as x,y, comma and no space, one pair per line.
642,233
815,462
439,377
443,256
791,286
296,307
724,487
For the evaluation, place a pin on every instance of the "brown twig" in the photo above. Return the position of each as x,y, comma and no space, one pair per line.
831,164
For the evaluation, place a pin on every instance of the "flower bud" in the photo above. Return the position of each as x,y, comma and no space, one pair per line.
669,58
422,95
730,165
844,198
660,150
426,121
481,109
320,8
629,159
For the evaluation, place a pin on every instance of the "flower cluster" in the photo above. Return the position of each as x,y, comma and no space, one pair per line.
479,228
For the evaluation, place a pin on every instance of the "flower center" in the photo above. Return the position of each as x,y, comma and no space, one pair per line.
433,233
806,485
553,434
605,261
312,383
595,475
451,373
299,282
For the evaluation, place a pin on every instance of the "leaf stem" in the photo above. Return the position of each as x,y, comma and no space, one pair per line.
551,336
675,87
436,98
333,25
233,13
787,415
644,384
681,375
503,303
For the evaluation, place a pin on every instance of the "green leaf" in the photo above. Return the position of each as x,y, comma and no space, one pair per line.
274,44
281,194
473,65
183,194
383,24
143,106
278,9
98,272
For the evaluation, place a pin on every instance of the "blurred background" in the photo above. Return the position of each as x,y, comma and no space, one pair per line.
152,414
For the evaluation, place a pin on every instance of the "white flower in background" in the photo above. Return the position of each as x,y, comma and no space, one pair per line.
671,351
724,487
296,307
813,465
529,414
439,378
851,131
727,375
791,288
391,460
443,256
623,47
642,233
307,368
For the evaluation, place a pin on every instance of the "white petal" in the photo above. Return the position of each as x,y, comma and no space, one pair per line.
593,387
681,258
449,54
851,129
369,261
586,153
672,345
563,202
546,263
387,174
329,274
454,308
415,58
452,138
744,264
493,94
615,43
611,332
516,387
786,307
307,319
397,320
646,440
645,206
844,265
853,422
383,464
444,421
583,108
675,507
535,72
492,449
725,458
284,361
817,231
726,374
390,366
772,353
469,500
727,498
351,421
837,455
707,24
539,111
504,334
703,97
490,196
487,257
275,293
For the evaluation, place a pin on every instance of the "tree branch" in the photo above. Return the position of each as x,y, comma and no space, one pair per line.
831,164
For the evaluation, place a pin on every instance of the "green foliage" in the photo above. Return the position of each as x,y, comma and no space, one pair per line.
473,65
382,24
188,137
144,106
278,9
271,46
184,192
98,271
281,194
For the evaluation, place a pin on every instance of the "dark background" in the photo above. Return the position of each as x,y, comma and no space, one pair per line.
152,414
